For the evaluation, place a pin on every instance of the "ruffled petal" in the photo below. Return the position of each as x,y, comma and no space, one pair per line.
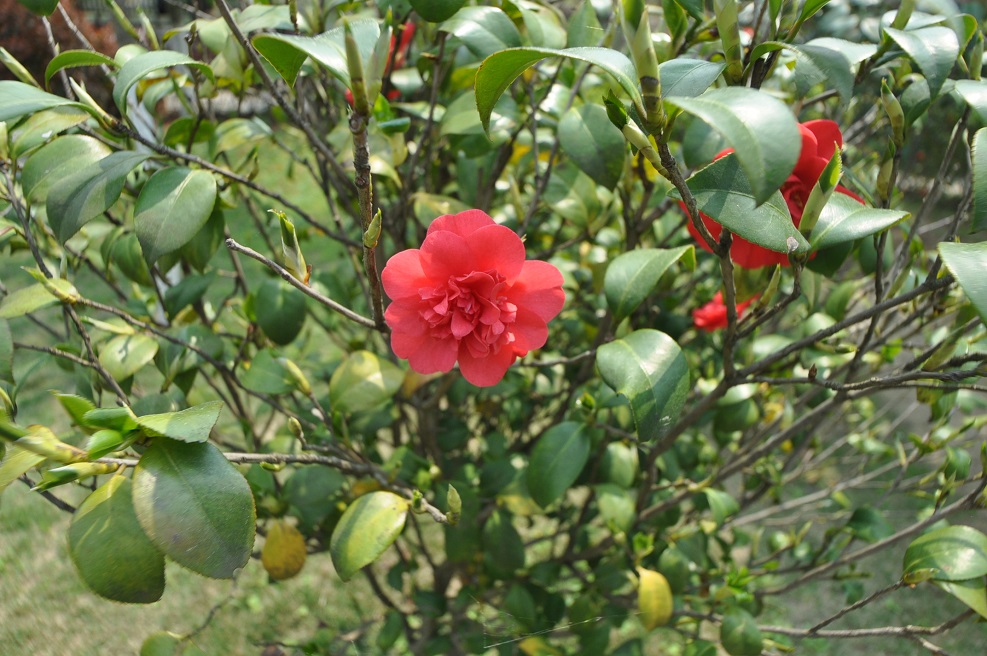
463,224
828,137
488,370
497,248
424,353
538,289
403,275
530,332
445,254
809,166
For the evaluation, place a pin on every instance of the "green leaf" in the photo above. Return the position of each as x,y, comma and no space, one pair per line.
499,70
195,507
74,58
142,65
647,367
739,633
172,207
483,30
16,463
933,49
869,524
953,553
190,290
25,301
309,492
125,355
85,194
974,94
368,527
810,8
268,376
584,27
979,156
632,276
723,193
436,11
40,7
558,457
967,263
113,555
103,442
280,310
6,353
972,592
362,382
620,464
688,78
694,7
593,143
57,160
503,549
618,506
818,65
288,52
844,219
39,128
190,425
18,99
721,504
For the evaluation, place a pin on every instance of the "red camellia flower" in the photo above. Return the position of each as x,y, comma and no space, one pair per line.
820,140
713,315
468,294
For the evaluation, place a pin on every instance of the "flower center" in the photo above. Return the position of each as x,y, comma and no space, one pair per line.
471,307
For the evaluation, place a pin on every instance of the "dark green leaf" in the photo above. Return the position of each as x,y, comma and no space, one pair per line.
139,67
810,8
6,353
483,30
56,160
694,7
73,58
558,457
190,290
979,157
933,49
190,425
739,633
280,310
113,555
843,219
967,262
687,78
195,506
266,375
309,491
647,367
368,527
503,550
362,382
974,94
760,129
632,276
953,553
436,11
869,524
816,64
125,355
593,144
172,207
972,592
40,7
288,52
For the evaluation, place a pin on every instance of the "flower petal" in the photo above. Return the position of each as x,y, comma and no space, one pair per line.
497,248
827,135
405,317
530,332
445,254
425,354
463,224
488,370
403,275
538,289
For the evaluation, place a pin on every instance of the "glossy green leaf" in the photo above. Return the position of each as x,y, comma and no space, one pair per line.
266,375
499,70
39,128
739,633
967,263
818,65
110,550
368,527
195,506
74,58
6,353
88,192
952,553
280,310
57,160
933,49
584,27
142,65
759,127
16,463
172,207
979,158
25,301
688,78
971,592
436,11
974,94
503,549
18,99
632,276
592,142
287,52
558,457
809,9
362,382
103,442
723,193
484,30
721,505
843,219
39,7
125,355
647,367
118,419
190,425
76,407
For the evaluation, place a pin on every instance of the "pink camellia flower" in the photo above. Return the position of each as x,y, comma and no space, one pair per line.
713,315
468,295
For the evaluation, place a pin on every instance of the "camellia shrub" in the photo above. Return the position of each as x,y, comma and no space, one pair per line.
633,323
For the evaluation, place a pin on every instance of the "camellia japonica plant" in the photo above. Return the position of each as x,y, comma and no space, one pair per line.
563,327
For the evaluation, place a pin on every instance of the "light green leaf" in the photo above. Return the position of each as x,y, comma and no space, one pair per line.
367,528
110,550
6,353
39,128
499,70
759,127
268,376
280,310
25,301
843,219
687,78
979,157
103,442
967,262
953,553
739,633
620,464
593,143
853,51
584,27
57,160
809,9
632,276
74,58
287,52
172,207
558,457
971,592
88,192
142,65
721,505
18,99
190,425
723,193
483,30
195,507
933,49
362,382
125,355
16,463
618,506
647,367
436,11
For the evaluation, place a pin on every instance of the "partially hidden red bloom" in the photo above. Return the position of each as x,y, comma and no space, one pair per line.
469,295
713,315
820,140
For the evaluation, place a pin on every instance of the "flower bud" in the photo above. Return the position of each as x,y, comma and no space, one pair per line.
895,114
